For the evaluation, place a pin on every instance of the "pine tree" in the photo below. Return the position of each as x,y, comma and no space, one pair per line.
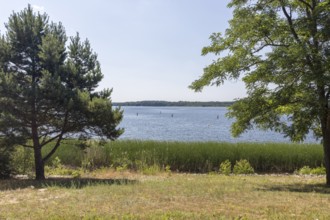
47,89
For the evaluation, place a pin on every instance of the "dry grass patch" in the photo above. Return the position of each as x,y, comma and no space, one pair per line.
110,195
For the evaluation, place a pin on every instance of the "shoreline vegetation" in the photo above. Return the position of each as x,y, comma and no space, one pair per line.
134,179
174,104
179,157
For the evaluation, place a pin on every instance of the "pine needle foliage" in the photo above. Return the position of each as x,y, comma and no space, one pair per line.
48,87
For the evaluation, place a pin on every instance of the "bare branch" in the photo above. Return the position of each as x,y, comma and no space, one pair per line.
290,22
44,142
271,43
294,33
27,146
306,4
45,135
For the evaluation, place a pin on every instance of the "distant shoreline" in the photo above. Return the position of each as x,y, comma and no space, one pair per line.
174,104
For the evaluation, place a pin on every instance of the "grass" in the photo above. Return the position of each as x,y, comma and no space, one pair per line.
106,194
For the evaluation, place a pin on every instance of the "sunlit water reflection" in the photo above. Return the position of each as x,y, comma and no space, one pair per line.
189,124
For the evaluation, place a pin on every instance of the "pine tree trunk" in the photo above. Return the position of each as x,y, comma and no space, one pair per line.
38,161
39,164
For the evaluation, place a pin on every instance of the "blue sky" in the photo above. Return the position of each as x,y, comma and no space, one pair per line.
148,49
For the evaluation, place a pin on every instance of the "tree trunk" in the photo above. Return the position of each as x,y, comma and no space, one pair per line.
39,164
327,163
325,124
326,149
38,161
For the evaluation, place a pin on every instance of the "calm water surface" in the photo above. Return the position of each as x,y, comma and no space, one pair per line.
188,124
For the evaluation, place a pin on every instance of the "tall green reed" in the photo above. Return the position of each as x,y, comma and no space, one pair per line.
199,157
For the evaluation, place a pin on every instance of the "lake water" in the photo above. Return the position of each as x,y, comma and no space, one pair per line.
188,124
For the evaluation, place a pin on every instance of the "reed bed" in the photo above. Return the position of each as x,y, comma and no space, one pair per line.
195,157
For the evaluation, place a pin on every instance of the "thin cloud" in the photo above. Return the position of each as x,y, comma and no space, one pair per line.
38,8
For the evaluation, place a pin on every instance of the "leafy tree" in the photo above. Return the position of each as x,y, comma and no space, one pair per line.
281,50
47,89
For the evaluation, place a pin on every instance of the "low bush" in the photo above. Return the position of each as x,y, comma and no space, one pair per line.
243,167
225,167
23,160
306,170
151,170
318,171
57,168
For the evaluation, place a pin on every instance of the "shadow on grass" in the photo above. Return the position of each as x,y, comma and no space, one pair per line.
60,182
301,188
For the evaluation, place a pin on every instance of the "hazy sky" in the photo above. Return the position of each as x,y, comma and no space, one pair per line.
148,49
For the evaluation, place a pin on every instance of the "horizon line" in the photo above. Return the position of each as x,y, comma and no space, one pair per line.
169,101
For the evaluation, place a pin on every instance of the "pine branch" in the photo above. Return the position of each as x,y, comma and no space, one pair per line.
60,137
44,142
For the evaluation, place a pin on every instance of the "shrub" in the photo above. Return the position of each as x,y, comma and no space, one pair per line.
168,169
243,167
318,171
151,170
22,160
121,168
225,167
306,170
56,163
5,168
58,168
123,162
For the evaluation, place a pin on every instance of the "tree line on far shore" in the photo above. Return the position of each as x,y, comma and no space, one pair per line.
174,104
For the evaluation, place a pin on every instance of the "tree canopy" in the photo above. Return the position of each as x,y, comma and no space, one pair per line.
48,87
281,50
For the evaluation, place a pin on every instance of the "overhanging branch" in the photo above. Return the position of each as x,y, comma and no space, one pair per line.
27,146
44,142
59,139
290,22
306,4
